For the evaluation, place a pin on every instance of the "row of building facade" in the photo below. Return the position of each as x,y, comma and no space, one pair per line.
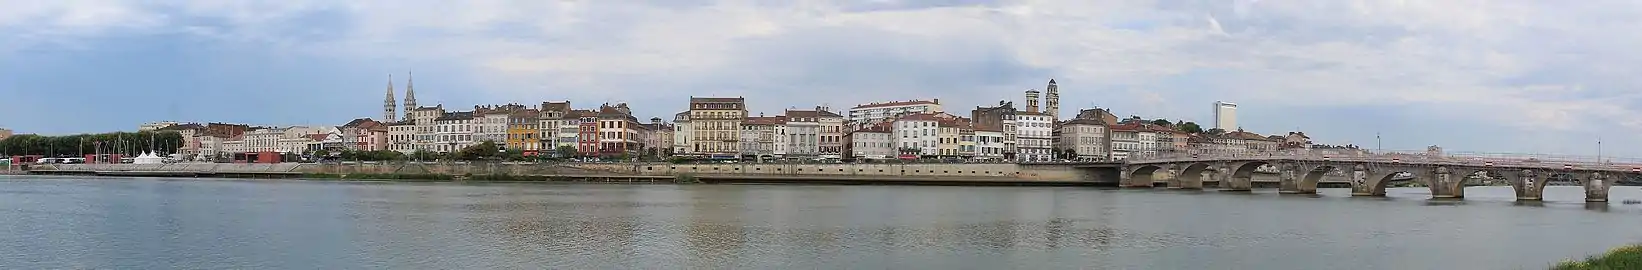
723,128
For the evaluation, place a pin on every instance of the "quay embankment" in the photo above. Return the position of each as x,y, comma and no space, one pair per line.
732,173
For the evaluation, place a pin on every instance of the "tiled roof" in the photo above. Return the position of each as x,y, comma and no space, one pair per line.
1084,121
455,116
919,117
896,103
189,126
761,120
716,100
556,106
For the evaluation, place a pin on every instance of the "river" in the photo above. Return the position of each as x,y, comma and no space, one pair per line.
131,223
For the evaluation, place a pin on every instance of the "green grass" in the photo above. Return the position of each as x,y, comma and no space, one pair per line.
1626,257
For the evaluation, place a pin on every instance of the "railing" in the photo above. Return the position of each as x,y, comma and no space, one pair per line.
1401,156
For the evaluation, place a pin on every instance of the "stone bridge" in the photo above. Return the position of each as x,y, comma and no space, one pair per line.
1369,173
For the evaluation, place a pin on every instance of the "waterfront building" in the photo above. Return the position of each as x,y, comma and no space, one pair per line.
523,127
454,131
401,137
552,115
154,126
579,131
1296,140
1088,138
1250,141
871,142
830,135
190,134
1125,140
915,135
803,133
426,122
681,135
587,133
946,138
716,124
360,135
618,131
1225,116
658,137
989,144
1034,136
1000,118
781,145
870,114
968,146
758,136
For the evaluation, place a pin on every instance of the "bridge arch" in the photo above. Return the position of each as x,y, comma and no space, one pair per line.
1311,175
1191,176
1144,175
1242,175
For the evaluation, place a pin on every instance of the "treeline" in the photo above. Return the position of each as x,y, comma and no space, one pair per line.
128,143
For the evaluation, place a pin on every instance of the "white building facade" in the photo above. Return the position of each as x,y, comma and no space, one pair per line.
1035,136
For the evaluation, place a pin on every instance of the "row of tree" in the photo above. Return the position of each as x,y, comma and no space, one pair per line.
127,143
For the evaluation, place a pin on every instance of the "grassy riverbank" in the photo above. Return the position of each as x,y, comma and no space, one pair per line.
1626,257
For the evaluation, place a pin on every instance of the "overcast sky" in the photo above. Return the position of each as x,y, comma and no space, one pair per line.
1469,75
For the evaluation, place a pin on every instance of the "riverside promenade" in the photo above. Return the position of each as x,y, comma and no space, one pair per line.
764,173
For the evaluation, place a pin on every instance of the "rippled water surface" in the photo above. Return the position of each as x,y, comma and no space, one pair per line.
121,223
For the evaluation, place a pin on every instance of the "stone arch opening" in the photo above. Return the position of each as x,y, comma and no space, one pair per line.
1242,177
1313,175
1143,176
1371,184
1191,177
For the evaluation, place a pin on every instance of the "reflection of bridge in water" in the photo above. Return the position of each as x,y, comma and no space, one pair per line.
1369,173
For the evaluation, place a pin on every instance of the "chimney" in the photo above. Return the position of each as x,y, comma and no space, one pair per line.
936,101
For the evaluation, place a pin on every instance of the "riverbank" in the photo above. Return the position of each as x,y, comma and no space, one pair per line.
834,174
1625,257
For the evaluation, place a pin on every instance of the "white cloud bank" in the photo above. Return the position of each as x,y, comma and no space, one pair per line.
1566,66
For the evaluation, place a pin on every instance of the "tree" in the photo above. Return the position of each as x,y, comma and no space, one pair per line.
422,154
1215,131
1190,127
1071,154
483,150
1162,122
565,151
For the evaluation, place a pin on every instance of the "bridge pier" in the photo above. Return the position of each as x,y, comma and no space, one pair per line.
1596,189
1528,185
1288,180
1443,183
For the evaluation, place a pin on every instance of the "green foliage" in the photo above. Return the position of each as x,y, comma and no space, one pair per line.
1215,131
425,155
130,143
565,151
1162,122
1190,127
1626,257
482,151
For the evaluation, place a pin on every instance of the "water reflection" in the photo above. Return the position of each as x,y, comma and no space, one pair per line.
147,224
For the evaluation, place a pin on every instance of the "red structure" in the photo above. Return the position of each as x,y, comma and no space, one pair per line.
258,157
587,140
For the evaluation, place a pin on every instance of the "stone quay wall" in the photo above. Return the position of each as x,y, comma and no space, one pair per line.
1019,172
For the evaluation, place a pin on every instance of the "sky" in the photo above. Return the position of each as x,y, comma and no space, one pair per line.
1496,76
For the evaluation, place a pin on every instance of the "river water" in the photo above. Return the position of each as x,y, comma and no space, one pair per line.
130,223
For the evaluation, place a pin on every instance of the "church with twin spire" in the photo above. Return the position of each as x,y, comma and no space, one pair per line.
390,108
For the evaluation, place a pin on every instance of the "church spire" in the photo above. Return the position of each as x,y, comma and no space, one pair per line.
389,107
410,94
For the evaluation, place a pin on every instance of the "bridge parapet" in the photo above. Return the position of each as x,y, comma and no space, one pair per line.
1479,159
